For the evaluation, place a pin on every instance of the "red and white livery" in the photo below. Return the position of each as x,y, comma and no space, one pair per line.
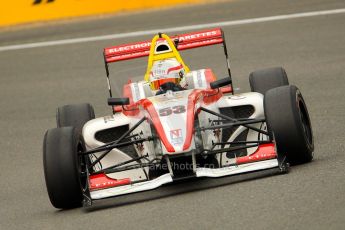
200,128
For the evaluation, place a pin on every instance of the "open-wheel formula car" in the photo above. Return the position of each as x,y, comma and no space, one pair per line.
176,124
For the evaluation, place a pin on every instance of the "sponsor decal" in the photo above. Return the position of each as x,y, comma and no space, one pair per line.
237,97
176,136
199,79
160,72
198,35
101,181
129,47
135,92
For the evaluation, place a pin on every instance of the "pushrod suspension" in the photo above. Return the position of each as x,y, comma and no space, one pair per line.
245,124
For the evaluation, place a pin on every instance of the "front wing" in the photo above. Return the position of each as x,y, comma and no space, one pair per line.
264,158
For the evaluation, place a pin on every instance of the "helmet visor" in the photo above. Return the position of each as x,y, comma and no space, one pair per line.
155,85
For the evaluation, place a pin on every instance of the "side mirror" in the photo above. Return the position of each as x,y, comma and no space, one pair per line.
220,83
118,101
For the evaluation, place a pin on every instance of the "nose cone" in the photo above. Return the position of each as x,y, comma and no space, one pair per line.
172,118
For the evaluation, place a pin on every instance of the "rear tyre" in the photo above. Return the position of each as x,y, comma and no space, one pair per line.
262,80
74,115
288,119
64,171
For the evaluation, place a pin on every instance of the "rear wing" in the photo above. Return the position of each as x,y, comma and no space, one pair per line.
182,42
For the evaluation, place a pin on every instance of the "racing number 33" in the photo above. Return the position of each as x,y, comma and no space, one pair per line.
169,110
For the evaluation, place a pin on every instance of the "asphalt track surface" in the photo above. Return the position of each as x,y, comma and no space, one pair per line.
35,81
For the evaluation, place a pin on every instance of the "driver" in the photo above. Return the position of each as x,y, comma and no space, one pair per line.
167,74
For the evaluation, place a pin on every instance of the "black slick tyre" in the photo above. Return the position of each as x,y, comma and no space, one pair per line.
262,80
63,168
74,115
287,117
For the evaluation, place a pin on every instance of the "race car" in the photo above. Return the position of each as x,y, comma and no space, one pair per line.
175,124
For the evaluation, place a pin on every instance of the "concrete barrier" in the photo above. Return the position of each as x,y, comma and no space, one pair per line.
13,12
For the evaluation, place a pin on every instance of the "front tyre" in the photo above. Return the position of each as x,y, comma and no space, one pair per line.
75,115
263,80
287,117
63,168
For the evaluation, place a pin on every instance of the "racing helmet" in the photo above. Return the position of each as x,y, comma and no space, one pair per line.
163,71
